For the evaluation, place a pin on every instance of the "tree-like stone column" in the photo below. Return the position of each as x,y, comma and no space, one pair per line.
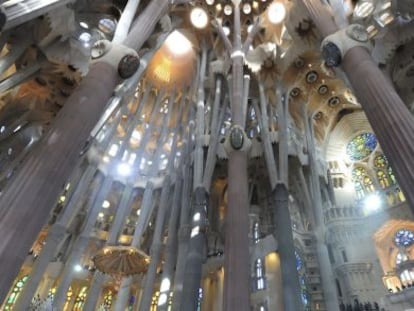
390,119
39,180
286,249
54,237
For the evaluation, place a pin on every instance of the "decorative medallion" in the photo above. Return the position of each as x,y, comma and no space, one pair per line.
331,54
295,92
127,66
236,138
323,89
311,76
333,101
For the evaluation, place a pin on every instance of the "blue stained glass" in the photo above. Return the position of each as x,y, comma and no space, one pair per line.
298,261
305,299
361,146
404,237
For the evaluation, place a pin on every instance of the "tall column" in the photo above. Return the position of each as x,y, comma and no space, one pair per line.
147,200
146,207
195,255
199,152
145,214
286,250
214,135
170,247
120,216
388,116
183,231
283,137
55,236
156,248
266,142
328,283
236,249
125,21
80,245
38,182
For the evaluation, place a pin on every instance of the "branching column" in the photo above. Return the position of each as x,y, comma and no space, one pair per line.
236,250
55,236
184,230
280,205
195,256
80,245
38,182
328,284
390,119
286,250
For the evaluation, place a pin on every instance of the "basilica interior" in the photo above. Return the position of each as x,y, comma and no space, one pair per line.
207,155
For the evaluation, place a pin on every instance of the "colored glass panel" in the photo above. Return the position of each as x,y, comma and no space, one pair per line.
404,237
361,146
11,300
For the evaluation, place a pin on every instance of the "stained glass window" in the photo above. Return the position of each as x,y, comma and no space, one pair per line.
383,179
69,295
298,261
52,292
80,299
11,300
361,146
362,182
259,274
399,195
385,175
404,237
108,298
392,176
154,302
400,258
381,161
304,290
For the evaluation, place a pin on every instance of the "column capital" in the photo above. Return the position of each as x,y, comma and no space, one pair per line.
124,59
335,46
237,140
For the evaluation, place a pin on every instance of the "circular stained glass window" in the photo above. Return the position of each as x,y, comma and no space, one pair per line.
404,237
361,146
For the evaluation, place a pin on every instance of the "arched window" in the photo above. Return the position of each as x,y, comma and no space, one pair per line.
406,276
385,175
383,179
80,299
256,232
108,299
362,182
69,296
11,300
259,274
361,146
304,290
154,302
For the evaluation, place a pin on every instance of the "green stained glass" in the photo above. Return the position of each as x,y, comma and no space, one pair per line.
380,161
361,146
362,182
11,300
